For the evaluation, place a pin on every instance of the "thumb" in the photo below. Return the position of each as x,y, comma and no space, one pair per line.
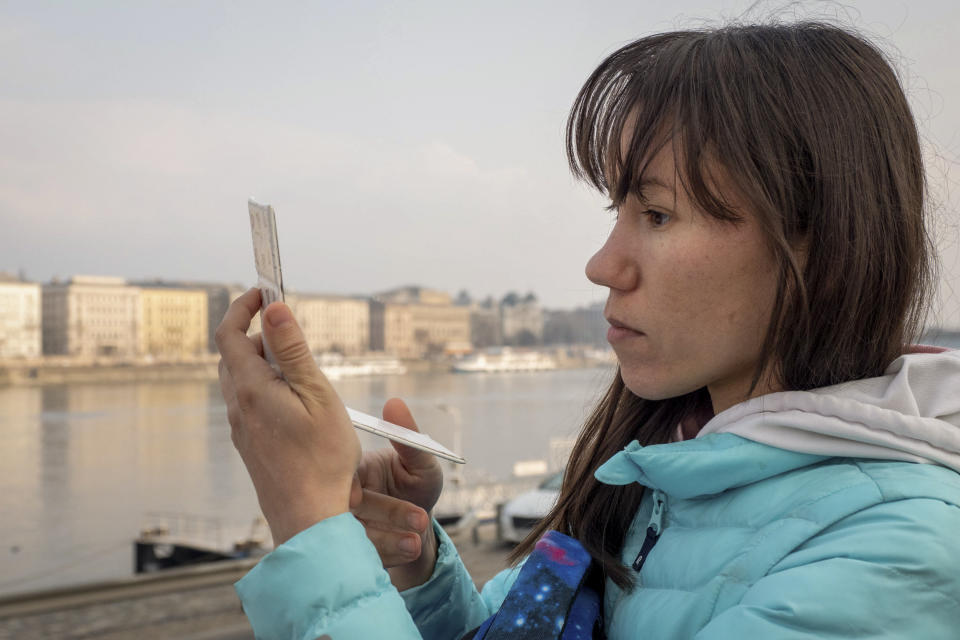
285,340
396,411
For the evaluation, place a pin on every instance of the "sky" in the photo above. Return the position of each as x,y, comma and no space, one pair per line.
400,143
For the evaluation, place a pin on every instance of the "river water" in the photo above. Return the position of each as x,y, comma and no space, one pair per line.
82,465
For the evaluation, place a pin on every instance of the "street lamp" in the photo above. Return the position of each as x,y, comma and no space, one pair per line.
454,412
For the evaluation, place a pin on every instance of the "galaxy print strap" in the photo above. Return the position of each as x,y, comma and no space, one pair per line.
548,600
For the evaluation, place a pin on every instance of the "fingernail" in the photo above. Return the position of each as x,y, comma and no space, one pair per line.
415,520
278,315
407,545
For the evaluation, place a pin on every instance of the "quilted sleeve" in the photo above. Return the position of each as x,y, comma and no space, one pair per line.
447,605
889,571
325,581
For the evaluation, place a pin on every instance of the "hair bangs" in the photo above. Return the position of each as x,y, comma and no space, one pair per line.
639,100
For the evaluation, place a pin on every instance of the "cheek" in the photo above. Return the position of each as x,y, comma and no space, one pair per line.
714,307
738,295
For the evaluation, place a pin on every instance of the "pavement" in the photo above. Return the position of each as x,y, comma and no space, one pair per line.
206,613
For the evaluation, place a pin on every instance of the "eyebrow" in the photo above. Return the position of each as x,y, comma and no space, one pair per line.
647,184
650,181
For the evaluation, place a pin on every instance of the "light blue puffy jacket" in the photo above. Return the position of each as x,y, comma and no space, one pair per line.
755,540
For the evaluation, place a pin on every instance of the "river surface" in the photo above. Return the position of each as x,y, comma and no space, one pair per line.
82,465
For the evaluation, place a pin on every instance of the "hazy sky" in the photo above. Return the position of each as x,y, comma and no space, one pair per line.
400,143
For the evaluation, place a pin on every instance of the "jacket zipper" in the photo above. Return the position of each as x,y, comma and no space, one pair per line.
654,528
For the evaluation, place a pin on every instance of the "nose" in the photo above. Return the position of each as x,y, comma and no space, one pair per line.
613,266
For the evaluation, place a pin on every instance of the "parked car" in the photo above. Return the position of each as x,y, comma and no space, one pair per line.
518,516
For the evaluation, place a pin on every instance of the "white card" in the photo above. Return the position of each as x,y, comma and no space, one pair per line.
399,434
266,254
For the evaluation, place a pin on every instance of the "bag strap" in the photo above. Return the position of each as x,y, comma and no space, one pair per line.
548,601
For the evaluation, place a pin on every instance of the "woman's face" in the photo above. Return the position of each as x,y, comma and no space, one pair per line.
690,295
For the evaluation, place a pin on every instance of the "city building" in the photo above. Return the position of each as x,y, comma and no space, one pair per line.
219,298
90,316
414,295
521,320
173,322
484,321
20,334
584,326
413,322
333,323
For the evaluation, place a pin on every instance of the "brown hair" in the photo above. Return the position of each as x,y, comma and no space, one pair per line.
812,130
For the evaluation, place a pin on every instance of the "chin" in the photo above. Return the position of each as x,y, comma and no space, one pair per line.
651,387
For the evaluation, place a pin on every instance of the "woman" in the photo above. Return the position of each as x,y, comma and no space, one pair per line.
769,462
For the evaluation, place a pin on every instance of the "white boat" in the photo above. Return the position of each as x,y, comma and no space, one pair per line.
335,366
504,360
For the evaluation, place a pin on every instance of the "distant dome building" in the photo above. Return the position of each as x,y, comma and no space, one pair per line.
521,320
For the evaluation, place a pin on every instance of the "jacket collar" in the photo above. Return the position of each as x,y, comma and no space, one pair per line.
910,413
704,466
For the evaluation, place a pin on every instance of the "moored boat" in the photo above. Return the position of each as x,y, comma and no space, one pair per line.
504,360
335,366
177,540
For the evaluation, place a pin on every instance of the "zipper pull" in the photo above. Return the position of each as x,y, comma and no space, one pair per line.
653,529
648,543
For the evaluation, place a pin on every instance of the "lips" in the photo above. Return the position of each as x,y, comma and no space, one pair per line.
619,331
620,325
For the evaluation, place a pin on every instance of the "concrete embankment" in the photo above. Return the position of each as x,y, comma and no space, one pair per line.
42,373
195,603
45,372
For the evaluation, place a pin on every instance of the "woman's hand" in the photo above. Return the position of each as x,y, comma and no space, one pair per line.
292,432
393,493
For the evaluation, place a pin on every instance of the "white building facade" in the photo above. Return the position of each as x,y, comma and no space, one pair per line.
91,316
333,323
20,320
521,320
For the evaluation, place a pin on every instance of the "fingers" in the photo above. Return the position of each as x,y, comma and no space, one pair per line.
396,411
393,513
293,355
227,387
226,383
356,491
394,527
394,548
234,345
257,340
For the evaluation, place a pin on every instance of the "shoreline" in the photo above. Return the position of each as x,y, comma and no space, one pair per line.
42,373
35,373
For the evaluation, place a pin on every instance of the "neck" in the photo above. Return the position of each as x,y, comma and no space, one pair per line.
724,395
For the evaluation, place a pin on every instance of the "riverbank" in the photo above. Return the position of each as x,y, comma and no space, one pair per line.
61,370
44,372
197,604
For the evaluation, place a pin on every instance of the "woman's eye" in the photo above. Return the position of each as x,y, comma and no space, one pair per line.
657,219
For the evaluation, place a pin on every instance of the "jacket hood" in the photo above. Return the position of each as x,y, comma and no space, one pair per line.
910,413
